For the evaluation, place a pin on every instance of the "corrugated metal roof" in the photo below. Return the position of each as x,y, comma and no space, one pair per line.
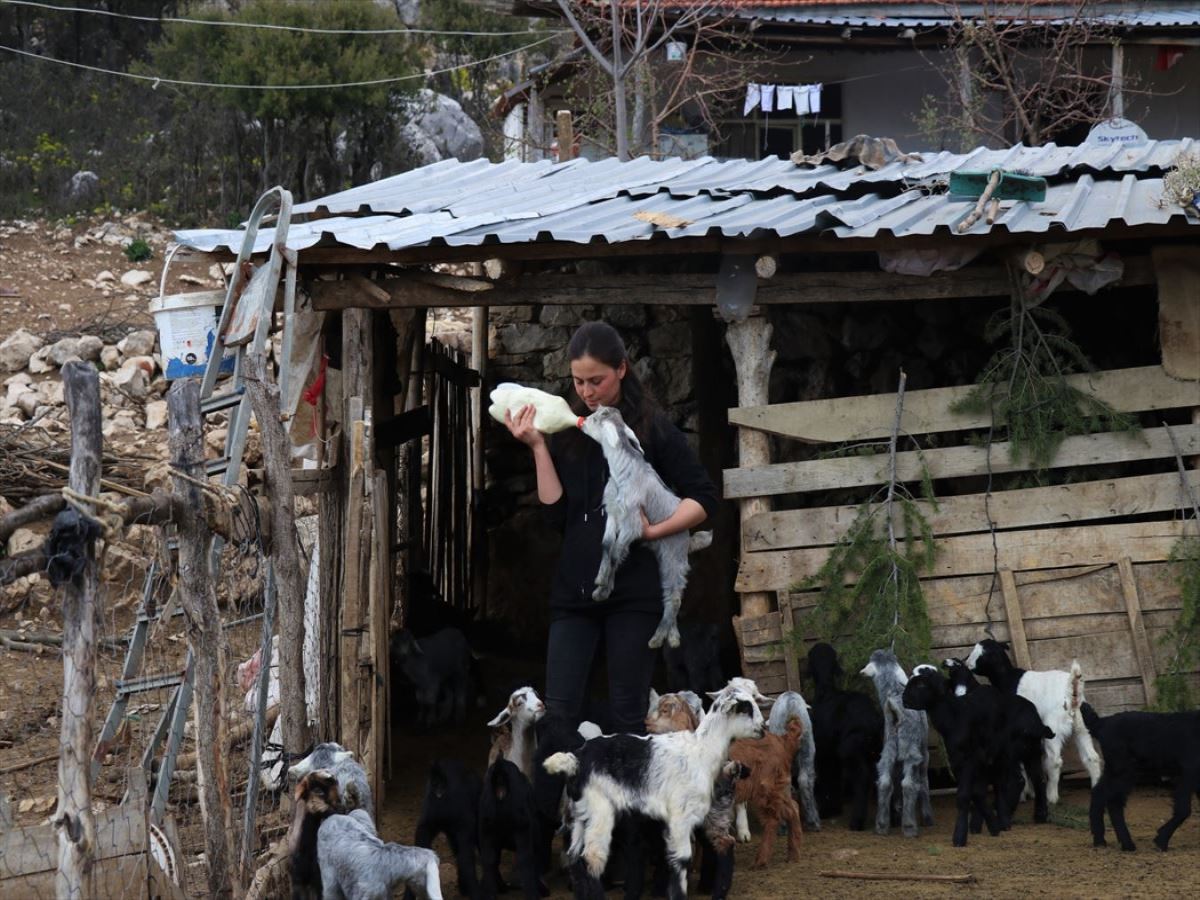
471,204
932,15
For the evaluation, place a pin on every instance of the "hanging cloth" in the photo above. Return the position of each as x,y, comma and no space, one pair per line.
784,96
768,98
753,95
800,92
814,99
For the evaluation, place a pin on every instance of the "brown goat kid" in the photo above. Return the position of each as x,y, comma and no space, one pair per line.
768,790
316,799
671,713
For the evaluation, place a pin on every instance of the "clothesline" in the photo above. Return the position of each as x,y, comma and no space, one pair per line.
805,99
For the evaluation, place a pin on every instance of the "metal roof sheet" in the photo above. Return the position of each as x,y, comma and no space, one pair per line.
933,15
471,204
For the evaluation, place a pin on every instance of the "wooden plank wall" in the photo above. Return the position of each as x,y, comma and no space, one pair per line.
1070,575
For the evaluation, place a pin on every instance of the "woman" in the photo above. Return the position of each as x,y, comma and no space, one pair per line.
571,474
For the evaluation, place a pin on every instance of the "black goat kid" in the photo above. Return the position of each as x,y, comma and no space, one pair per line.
508,820
451,807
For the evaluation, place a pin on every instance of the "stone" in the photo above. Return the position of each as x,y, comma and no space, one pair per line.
52,392
156,415
505,315
673,340
110,358
136,278
82,188
22,540
438,128
148,363
138,343
61,350
28,403
132,381
16,349
531,338
5,506
122,566
625,315
19,378
556,364
674,380
39,363
105,277
122,425
89,348
566,316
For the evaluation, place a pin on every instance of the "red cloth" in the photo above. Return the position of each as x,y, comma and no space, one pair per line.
313,392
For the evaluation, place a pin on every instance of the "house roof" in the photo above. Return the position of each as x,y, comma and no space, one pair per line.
480,203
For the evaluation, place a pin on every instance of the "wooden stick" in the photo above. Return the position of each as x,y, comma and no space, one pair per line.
28,764
884,876
104,482
977,212
73,819
185,440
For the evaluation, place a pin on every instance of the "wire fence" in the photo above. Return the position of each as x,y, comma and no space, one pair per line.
149,834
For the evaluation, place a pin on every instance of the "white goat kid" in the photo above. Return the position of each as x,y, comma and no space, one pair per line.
634,487
357,865
523,711
666,777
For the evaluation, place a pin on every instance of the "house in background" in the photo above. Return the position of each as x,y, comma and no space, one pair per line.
876,64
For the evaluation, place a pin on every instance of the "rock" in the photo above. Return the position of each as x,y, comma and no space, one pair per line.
52,392
531,338
568,316
148,363
16,350
59,351
110,358
438,128
122,425
122,566
133,381
136,278
156,415
28,403
89,348
138,343
82,188
5,506
556,364
627,315
673,380
21,540
105,277
672,340
39,363
19,378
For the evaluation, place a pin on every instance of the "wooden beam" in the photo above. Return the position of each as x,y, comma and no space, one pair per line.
927,411
1178,274
952,462
1016,624
783,570
1019,508
1141,645
681,289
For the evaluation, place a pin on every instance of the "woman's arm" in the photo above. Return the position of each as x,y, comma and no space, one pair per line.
549,488
679,467
688,514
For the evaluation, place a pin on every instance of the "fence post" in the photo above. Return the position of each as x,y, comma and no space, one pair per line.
185,442
74,820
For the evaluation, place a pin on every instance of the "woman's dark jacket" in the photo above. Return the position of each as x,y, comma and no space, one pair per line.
583,472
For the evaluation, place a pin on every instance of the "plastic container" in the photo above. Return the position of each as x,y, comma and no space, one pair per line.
187,328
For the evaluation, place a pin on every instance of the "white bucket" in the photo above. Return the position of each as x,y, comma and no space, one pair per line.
187,328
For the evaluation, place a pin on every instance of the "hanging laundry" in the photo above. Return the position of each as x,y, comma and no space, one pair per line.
784,94
768,97
814,98
753,95
800,99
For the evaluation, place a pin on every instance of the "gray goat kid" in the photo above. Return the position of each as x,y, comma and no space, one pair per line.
354,787
357,865
633,487
905,745
791,705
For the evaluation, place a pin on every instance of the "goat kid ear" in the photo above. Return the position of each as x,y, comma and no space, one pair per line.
501,718
342,756
868,670
609,432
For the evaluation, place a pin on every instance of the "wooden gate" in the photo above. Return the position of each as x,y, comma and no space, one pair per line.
1077,571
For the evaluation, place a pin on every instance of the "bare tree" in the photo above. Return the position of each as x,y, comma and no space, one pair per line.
1017,74
621,36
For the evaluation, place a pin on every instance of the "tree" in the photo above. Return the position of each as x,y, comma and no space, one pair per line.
1016,75
620,37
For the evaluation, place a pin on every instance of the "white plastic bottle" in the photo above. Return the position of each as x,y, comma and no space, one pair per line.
553,413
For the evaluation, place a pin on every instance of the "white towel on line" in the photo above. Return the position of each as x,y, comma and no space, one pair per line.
753,95
768,98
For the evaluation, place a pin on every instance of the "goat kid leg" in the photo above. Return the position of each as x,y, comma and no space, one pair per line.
1118,794
883,788
742,824
1087,750
926,800
1053,765
808,799
610,556
1182,808
431,881
1033,771
795,837
679,855
766,846
1096,806
910,788
527,872
668,629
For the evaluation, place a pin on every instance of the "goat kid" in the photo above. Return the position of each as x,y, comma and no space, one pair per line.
768,789
354,788
520,717
357,865
1165,745
439,669
791,705
451,807
848,732
905,748
1057,696
316,799
666,777
508,820
633,487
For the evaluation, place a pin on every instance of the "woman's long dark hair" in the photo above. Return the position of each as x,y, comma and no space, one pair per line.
601,342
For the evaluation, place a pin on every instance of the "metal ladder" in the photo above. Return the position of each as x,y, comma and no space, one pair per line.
244,326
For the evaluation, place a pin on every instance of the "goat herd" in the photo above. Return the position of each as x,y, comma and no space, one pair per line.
624,800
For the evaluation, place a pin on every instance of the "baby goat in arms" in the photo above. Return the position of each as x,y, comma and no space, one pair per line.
666,777
633,488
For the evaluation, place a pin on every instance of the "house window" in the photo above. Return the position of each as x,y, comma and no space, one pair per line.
781,134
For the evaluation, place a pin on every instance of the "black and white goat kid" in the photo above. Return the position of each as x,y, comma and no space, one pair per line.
665,777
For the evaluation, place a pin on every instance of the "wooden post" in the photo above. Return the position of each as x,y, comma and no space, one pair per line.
479,553
74,820
374,754
1016,622
750,343
566,135
1141,644
185,441
1118,81
285,553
